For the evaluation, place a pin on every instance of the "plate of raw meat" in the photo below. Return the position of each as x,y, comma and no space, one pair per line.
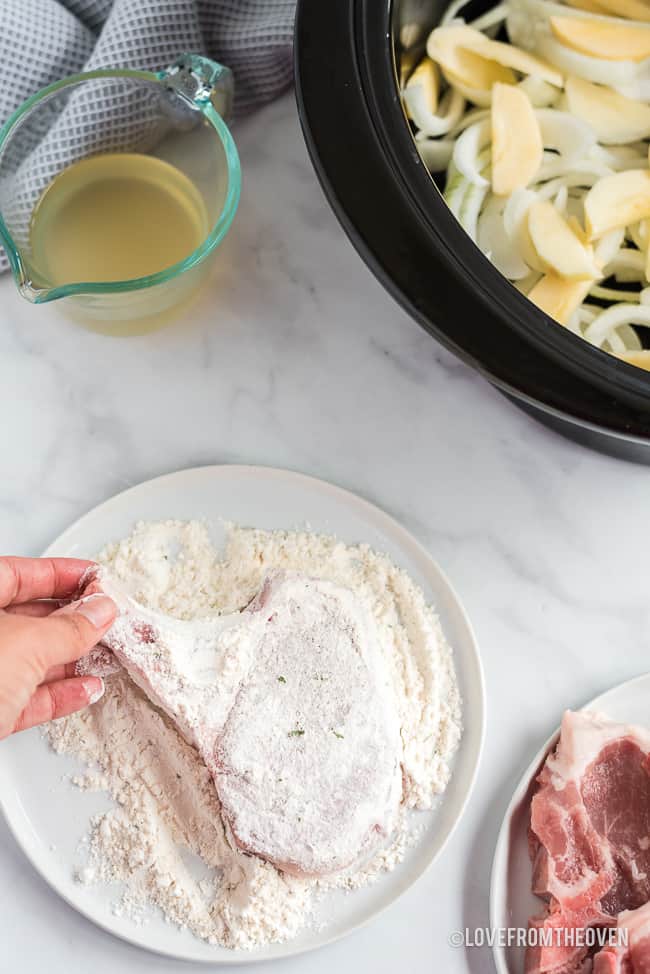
572,863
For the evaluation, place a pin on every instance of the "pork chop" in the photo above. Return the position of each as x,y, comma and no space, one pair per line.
289,705
589,832
631,953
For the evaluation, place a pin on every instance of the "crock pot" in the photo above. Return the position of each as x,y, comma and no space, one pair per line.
347,63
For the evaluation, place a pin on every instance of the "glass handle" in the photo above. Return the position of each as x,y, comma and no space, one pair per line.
199,81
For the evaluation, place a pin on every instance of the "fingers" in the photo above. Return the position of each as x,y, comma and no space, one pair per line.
62,637
53,700
25,579
38,608
72,631
62,671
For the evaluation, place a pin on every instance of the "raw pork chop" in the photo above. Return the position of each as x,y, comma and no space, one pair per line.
289,706
632,954
589,832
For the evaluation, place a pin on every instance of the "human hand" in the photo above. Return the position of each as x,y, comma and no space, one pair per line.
41,639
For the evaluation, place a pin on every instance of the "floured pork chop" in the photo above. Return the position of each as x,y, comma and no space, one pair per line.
589,834
289,706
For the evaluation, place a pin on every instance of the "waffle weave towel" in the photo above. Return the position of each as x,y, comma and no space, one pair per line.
44,40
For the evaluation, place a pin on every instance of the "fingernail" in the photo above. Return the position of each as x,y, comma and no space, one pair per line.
98,609
94,687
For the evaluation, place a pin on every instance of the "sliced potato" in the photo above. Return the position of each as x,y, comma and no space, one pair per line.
476,73
461,65
558,247
632,9
443,40
617,201
559,297
604,38
591,6
421,101
615,120
407,64
517,147
423,87
481,97
641,358
644,233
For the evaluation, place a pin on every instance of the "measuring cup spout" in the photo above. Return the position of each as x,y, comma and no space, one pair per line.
201,82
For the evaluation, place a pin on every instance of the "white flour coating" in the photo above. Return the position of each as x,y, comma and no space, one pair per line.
164,839
289,704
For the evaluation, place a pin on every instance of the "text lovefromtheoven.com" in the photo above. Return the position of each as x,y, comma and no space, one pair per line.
590,937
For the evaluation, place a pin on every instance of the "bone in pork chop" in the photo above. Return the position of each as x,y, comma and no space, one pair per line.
289,706
589,834
630,954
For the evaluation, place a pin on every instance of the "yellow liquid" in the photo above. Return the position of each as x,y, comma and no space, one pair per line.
114,217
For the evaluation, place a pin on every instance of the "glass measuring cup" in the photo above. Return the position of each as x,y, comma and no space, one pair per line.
176,115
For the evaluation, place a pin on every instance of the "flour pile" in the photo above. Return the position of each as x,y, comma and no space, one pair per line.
164,839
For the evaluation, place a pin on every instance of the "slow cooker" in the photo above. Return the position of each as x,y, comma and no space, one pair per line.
347,67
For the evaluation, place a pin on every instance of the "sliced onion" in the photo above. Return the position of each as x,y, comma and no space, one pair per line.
491,18
561,198
471,207
614,294
497,244
638,234
585,171
436,153
482,97
627,266
619,158
469,118
621,339
609,245
611,319
455,189
638,89
450,111
540,93
468,148
515,223
527,283
569,136
452,11
575,177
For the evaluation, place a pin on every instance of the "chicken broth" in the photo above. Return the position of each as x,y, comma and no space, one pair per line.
114,217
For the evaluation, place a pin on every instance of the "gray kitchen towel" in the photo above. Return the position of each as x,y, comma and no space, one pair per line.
41,41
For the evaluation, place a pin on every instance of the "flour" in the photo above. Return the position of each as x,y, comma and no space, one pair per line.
164,840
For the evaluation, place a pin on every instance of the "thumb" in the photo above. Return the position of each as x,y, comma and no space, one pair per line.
69,633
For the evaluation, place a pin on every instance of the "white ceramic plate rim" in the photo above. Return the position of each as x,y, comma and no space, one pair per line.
499,874
10,805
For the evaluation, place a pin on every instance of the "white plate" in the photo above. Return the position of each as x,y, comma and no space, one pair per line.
511,901
48,817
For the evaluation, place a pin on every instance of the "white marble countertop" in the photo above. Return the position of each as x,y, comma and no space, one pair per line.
297,358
